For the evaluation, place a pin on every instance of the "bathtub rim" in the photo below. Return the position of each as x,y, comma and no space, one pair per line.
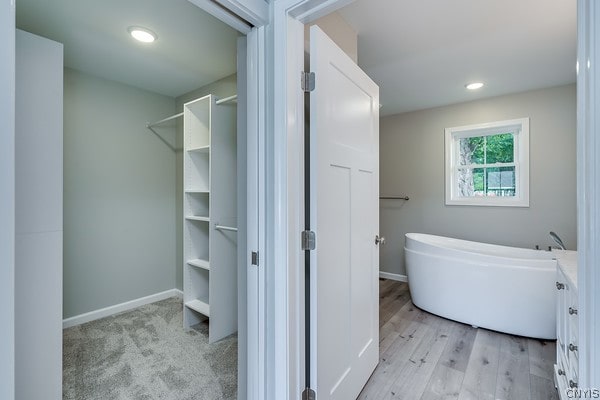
411,236
489,264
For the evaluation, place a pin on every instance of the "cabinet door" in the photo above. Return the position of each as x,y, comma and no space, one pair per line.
561,317
572,325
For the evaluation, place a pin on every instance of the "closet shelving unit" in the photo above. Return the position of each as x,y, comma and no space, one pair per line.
210,206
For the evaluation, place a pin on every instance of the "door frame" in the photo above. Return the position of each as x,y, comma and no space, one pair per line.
253,11
7,199
588,190
286,378
287,107
251,17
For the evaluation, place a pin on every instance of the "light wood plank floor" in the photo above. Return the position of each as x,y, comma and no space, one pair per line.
425,357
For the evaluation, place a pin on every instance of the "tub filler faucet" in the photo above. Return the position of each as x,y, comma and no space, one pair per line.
557,240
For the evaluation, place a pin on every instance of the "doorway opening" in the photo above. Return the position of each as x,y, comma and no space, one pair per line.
401,157
136,194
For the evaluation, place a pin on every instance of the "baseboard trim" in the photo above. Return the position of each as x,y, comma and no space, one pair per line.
394,277
117,308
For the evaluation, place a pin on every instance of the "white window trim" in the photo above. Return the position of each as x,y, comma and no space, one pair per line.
520,128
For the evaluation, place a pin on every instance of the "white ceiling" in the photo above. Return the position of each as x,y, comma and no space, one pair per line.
192,50
420,52
423,52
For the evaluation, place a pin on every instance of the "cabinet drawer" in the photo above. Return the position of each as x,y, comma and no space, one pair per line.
573,364
572,313
572,333
572,375
567,344
560,379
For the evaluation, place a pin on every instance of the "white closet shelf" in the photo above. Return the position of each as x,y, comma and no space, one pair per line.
199,306
209,195
199,264
203,149
197,218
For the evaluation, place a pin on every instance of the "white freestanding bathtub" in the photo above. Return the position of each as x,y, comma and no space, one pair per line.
505,289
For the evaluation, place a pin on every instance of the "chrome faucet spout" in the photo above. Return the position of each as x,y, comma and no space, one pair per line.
557,240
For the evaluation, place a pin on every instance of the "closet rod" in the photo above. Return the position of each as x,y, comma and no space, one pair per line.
227,99
161,138
394,198
164,120
225,228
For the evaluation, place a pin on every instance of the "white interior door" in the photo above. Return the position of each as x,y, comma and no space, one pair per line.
344,213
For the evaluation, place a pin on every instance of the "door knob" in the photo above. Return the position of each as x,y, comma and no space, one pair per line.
379,239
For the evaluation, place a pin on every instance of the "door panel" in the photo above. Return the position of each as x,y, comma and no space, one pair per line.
344,191
363,294
334,234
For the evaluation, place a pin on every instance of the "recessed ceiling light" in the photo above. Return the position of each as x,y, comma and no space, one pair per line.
142,34
474,85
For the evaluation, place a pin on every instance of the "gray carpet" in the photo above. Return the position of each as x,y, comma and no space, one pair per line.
146,354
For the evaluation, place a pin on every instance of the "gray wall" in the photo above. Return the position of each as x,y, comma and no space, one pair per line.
338,30
119,195
412,164
38,217
222,88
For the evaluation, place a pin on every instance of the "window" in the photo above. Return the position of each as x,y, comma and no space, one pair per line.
488,164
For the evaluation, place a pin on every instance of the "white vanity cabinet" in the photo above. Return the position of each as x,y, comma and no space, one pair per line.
566,371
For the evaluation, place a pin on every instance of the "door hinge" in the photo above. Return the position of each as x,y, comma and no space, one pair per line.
255,258
309,394
309,240
307,81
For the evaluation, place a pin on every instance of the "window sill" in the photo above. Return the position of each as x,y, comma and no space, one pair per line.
489,202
